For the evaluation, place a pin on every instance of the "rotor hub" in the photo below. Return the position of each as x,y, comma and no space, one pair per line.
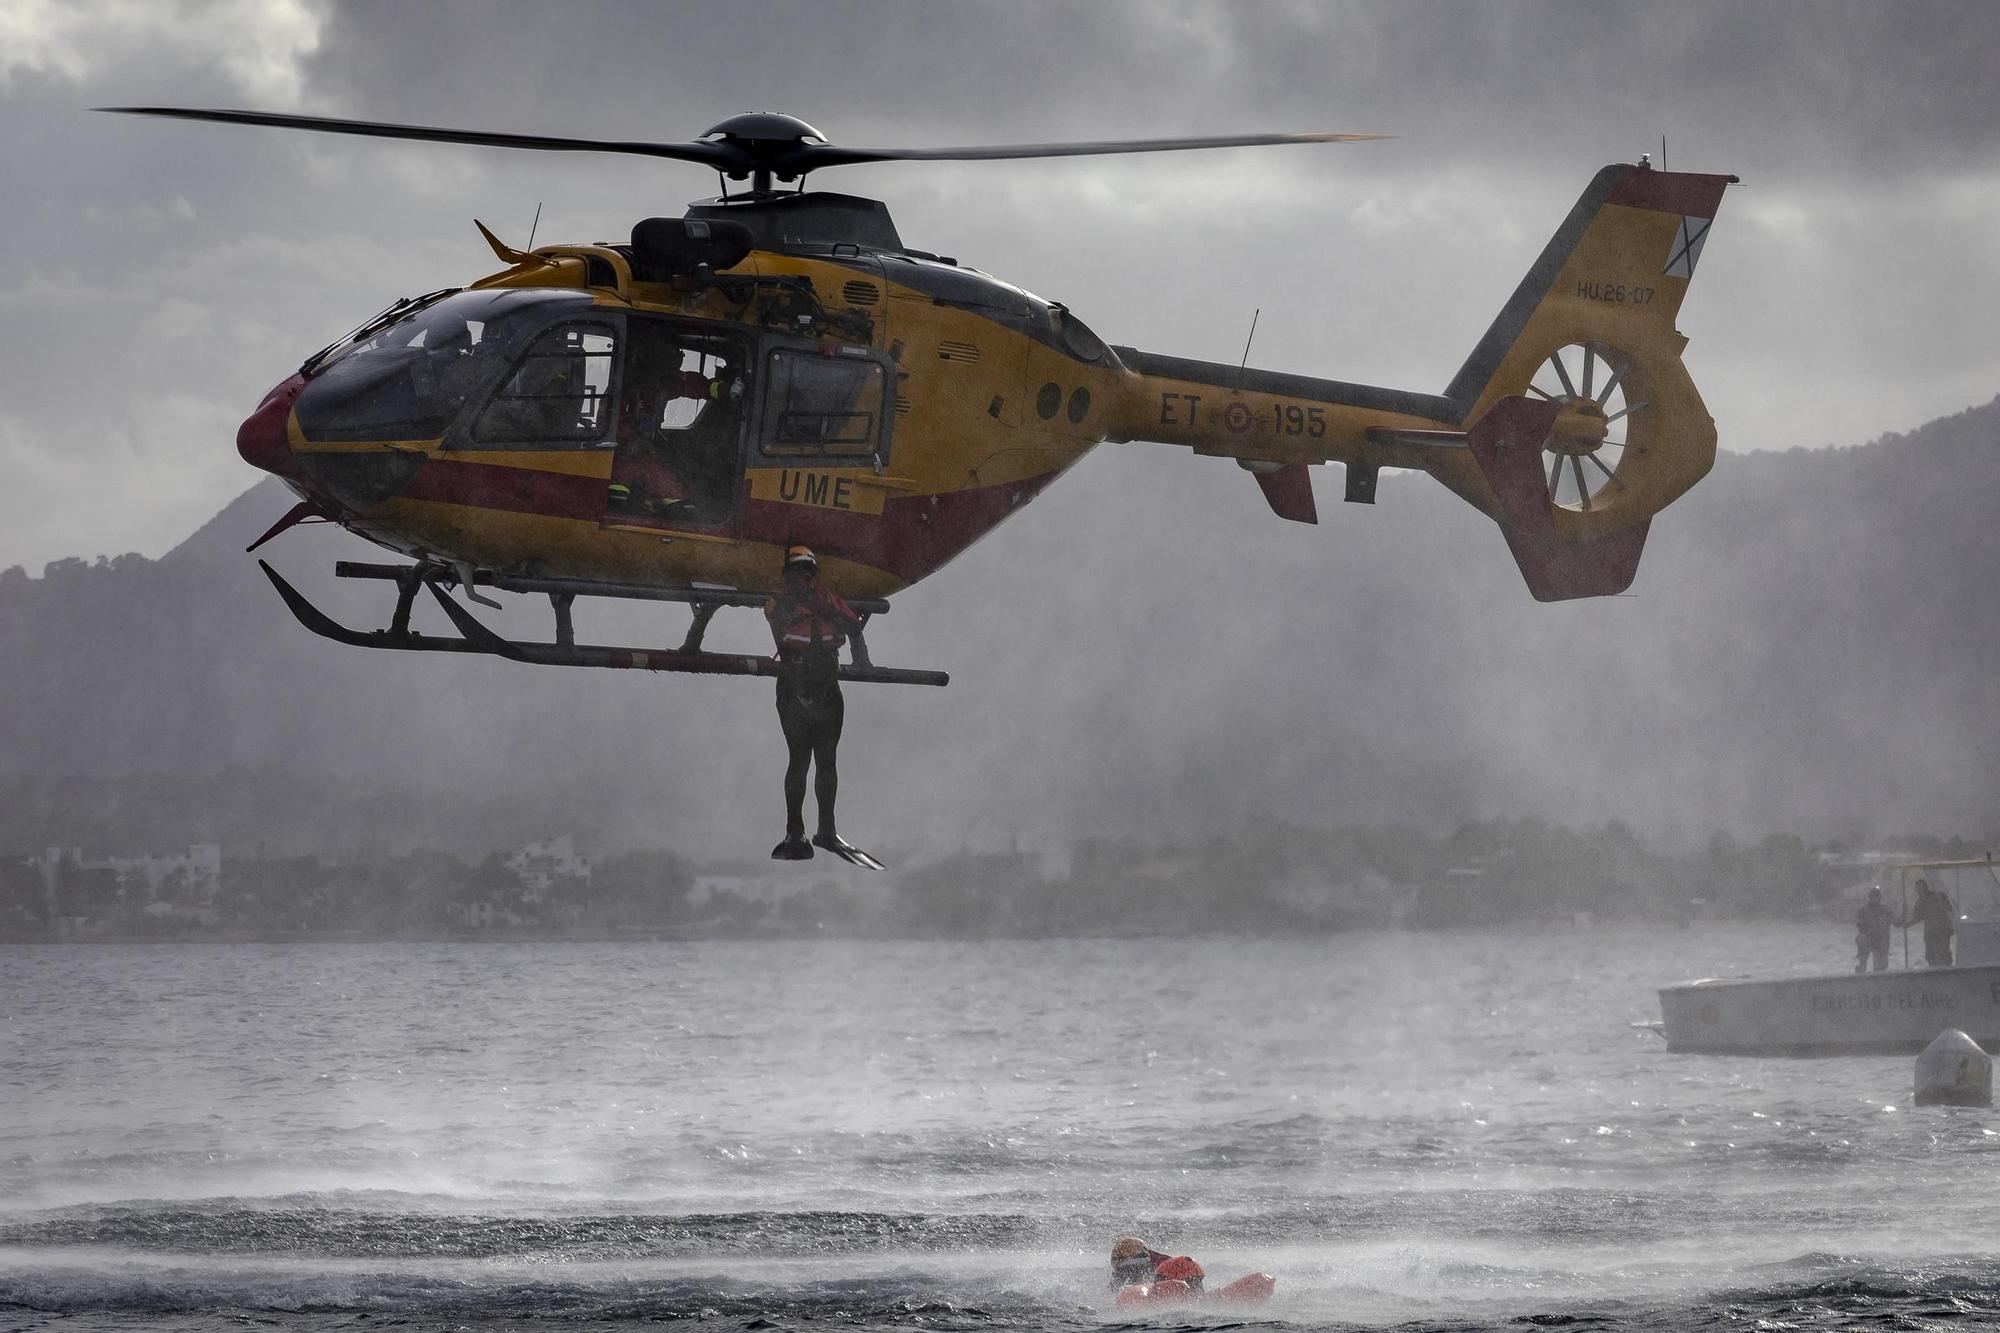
1581,429
766,146
765,127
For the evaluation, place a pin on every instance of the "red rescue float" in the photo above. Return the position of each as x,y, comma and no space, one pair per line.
1250,1289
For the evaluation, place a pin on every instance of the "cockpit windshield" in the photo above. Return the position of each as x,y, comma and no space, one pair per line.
409,379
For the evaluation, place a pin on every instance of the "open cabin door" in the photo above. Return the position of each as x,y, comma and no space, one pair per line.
684,406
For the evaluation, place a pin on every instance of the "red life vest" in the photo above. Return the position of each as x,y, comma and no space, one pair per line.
817,620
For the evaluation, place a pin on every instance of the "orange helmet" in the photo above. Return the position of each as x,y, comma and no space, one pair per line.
1127,1248
800,555
1183,1268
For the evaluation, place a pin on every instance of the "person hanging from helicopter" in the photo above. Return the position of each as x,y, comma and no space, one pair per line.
810,625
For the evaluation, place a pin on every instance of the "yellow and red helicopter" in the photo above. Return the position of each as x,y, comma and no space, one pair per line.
660,419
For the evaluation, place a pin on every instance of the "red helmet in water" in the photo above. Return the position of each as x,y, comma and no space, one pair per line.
1183,1268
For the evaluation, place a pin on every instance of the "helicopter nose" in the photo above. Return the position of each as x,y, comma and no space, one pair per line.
263,438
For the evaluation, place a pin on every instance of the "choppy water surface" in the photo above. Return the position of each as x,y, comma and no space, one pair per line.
1433,1131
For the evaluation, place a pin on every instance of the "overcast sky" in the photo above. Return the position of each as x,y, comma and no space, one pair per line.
156,278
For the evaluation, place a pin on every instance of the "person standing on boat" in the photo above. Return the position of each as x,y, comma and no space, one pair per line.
1871,933
1933,911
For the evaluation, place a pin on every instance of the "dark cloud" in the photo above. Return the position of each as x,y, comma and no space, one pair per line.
1838,86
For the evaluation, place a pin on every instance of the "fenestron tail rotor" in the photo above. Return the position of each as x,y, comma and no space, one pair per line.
1598,423
759,146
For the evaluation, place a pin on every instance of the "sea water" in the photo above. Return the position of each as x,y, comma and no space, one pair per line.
1419,1130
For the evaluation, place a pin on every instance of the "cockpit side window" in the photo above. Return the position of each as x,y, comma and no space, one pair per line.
405,383
559,393
410,376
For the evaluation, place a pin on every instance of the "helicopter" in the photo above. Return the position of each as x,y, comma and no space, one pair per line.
660,418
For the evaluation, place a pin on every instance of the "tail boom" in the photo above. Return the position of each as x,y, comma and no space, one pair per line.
1587,342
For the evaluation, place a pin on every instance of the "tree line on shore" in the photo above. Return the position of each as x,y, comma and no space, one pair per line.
1268,879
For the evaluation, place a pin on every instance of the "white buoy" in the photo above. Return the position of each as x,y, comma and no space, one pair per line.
1954,1071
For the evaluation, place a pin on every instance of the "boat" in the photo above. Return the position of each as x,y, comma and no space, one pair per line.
1863,1013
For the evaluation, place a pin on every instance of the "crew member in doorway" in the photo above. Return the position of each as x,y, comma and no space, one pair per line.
1933,911
810,625
707,448
1871,933
649,478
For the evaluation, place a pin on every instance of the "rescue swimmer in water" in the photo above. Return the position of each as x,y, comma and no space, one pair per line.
1141,1275
810,625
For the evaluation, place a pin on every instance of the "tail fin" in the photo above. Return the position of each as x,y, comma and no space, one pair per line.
1589,335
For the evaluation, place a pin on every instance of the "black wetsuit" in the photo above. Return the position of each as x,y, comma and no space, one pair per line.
811,711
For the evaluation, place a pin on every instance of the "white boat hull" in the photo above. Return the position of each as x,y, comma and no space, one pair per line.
1884,1013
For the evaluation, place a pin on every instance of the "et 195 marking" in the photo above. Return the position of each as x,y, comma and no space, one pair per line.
1291,419
1184,409
1617,293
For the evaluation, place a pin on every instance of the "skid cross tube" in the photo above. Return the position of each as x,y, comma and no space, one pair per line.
653,659
354,569
476,637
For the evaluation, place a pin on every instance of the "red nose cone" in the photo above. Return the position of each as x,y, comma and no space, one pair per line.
262,438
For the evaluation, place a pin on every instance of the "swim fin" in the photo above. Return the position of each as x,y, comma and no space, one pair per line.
847,851
792,849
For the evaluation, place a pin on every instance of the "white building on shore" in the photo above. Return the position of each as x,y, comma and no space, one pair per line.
541,864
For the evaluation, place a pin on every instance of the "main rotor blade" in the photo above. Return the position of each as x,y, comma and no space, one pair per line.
833,155
728,154
709,154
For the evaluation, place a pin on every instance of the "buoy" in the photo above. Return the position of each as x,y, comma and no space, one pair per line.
1954,1071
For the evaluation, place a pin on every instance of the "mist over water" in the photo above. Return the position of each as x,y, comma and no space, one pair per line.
1444,1130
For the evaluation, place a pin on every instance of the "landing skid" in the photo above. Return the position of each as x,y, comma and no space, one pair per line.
476,637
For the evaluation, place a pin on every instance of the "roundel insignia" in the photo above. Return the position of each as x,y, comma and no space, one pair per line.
1237,417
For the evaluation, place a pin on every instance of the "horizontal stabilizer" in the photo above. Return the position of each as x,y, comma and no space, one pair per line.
1289,492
